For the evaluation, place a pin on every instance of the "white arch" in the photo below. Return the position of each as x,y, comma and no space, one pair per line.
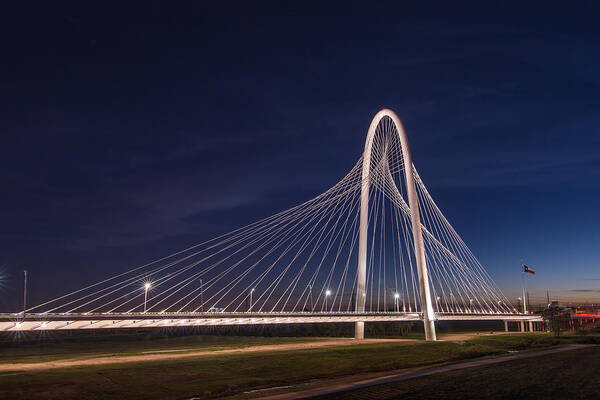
425,294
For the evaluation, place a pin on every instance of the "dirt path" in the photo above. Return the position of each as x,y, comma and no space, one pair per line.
160,355
472,335
415,374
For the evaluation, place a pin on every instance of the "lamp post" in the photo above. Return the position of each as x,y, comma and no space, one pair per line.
251,291
24,293
147,286
327,294
201,296
396,297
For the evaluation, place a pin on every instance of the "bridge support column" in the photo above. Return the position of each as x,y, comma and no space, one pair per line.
505,326
522,325
359,330
530,326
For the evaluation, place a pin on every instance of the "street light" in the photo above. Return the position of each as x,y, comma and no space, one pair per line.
251,291
201,296
24,294
396,297
327,294
147,286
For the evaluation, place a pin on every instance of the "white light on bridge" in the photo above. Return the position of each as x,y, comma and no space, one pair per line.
251,291
327,294
147,287
397,304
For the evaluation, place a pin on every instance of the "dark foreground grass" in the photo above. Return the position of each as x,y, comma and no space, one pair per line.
533,341
570,375
227,374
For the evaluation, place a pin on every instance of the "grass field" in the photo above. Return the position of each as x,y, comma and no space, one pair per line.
570,375
227,374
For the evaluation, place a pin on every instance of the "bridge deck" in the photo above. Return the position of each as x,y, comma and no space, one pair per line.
35,322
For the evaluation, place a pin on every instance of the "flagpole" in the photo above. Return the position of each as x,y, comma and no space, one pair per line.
523,287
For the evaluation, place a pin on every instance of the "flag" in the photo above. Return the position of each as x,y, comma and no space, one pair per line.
528,270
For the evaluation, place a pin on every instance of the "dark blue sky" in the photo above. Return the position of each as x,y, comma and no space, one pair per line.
129,133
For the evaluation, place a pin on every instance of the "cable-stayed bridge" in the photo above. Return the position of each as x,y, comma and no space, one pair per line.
374,247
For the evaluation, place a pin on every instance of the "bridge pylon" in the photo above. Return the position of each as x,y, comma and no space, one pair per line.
413,203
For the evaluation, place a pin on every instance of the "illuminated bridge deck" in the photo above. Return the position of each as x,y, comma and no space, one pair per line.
68,321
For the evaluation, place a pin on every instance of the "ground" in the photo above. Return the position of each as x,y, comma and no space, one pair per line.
569,375
184,368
